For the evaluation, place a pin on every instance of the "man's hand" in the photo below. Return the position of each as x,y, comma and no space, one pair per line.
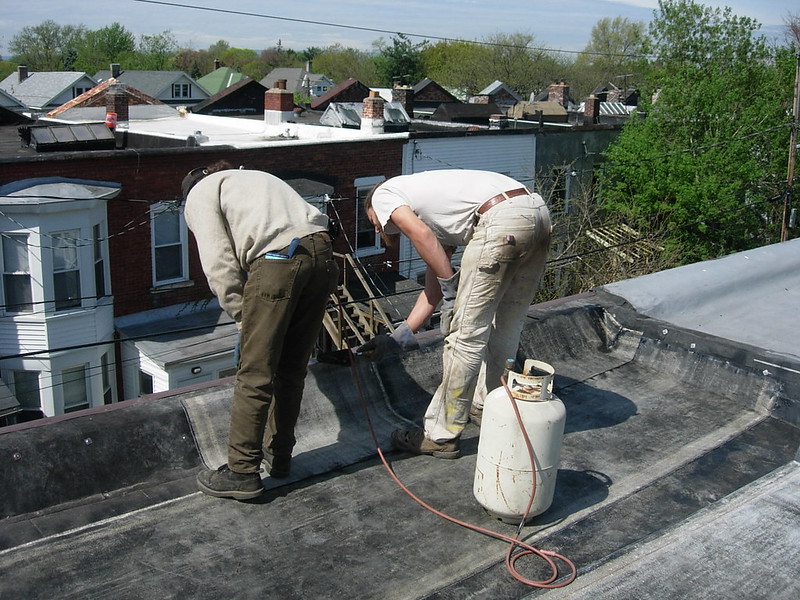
401,340
449,290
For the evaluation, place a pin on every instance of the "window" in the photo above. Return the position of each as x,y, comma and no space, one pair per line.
73,387
145,383
17,295
26,389
367,241
99,262
77,91
170,255
181,90
108,395
66,272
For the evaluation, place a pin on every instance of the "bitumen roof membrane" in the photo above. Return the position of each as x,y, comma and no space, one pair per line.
678,475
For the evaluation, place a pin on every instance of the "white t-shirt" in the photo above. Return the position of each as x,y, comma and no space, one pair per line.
445,200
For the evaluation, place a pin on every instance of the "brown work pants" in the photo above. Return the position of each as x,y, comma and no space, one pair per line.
283,306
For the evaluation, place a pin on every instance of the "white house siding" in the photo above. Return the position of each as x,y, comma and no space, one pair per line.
70,338
512,155
20,335
160,377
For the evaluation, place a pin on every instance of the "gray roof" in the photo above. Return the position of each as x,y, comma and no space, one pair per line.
40,89
678,475
294,77
136,112
496,87
153,83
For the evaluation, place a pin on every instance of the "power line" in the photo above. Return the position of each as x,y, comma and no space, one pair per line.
378,30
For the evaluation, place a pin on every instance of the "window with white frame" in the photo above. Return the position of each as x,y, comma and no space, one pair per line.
169,244
17,291
181,90
365,238
99,262
74,389
66,270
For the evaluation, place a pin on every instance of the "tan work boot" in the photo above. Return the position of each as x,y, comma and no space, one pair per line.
475,415
415,442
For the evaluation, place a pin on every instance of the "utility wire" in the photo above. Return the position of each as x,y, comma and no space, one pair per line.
386,31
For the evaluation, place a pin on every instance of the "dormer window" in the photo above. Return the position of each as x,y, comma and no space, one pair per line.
181,90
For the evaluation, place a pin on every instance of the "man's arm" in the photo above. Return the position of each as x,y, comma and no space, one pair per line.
434,255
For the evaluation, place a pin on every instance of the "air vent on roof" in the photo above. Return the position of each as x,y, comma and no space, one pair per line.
348,115
64,138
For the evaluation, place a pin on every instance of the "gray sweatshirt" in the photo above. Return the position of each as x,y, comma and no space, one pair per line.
236,217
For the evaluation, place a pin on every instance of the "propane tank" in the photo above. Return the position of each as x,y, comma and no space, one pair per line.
504,475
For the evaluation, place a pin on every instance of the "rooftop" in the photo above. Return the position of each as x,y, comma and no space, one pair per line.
678,475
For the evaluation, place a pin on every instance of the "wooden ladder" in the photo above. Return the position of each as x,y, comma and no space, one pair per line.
350,322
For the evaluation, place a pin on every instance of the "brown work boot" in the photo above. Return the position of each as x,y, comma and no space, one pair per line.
475,415
224,483
415,442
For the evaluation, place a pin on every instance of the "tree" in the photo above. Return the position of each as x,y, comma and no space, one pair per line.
195,63
511,58
47,46
340,63
457,65
217,49
156,52
611,56
399,61
97,49
515,60
700,169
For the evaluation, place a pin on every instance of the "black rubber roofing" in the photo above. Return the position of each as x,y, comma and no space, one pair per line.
678,475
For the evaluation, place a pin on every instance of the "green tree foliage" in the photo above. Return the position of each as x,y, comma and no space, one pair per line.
195,63
98,49
340,63
400,60
699,169
515,60
457,65
154,52
47,46
612,56
6,68
468,67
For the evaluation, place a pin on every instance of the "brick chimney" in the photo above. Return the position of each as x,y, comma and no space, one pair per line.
117,102
372,113
278,104
558,92
22,72
591,110
115,71
217,64
404,94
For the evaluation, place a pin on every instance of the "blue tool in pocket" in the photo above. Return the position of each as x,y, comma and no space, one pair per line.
289,251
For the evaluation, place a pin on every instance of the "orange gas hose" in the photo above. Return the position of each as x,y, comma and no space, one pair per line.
514,542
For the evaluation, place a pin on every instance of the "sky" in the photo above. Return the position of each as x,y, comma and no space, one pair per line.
555,24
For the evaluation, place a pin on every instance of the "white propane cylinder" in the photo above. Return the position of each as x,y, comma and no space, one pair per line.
503,472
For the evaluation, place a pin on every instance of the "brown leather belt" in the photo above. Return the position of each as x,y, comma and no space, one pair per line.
494,200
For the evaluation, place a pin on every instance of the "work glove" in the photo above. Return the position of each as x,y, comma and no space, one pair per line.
401,340
449,289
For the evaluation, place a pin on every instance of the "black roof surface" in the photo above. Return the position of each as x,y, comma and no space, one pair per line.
678,475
